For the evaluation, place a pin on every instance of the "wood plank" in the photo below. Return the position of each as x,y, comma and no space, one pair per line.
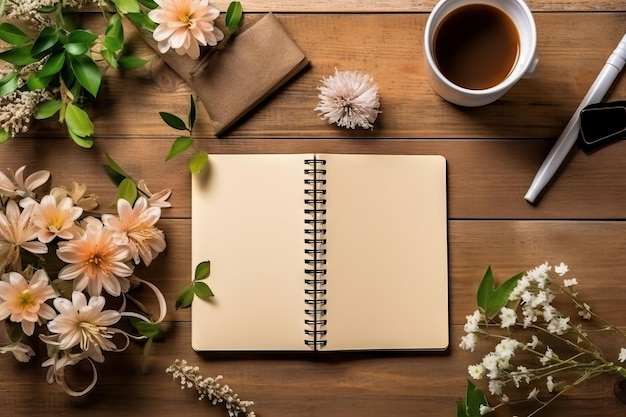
389,48
367,385
486,178
394,6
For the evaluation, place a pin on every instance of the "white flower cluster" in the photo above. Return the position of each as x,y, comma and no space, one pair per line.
209,388
98,256
349,99
533,297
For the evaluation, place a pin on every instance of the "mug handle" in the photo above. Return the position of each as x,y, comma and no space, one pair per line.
530,73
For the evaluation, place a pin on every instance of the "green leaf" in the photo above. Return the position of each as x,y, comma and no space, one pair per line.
53,65
192,113
8,83
147,329
142,21
130,62
127,6
485,289
82,36
203,270
461,409
234,14
181,144
202,290
19,56
198,161
12,34
82,141
76,48
185,298
46,40
150,4
47,109
109,57
127,190
78,121
115,167
474,398
115,177
173,121
2,7
37,82
500,296
115,30
87,73
4,135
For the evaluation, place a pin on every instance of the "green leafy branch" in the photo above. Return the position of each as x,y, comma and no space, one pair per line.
199,158
66,60
197,288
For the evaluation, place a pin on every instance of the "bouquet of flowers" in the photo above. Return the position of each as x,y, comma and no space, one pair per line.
67,273
53,66
552,353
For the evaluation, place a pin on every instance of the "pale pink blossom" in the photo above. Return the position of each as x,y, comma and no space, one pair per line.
83,323
18,232
183,25
56,219
15,185
24,302
96,261
158,199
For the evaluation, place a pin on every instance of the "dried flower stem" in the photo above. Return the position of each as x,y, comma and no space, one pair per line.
209,388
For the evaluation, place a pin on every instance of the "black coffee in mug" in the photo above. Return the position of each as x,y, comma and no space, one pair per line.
476,46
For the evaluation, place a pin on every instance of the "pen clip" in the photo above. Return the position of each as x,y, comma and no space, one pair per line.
601,124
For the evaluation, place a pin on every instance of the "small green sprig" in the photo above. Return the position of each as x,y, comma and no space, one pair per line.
197,288
200,157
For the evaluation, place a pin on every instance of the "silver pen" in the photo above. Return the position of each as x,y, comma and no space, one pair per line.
565,142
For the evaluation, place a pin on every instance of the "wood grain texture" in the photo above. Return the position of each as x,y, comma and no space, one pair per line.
492,153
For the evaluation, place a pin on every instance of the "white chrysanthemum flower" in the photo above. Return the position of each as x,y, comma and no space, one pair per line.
468,342
83,323
24,302
135,227
183,25
349,99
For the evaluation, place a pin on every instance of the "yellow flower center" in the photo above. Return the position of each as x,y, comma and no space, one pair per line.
25,300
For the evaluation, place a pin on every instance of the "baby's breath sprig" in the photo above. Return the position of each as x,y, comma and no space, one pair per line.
209,388
551,355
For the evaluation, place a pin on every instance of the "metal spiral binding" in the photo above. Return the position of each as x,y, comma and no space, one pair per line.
315,262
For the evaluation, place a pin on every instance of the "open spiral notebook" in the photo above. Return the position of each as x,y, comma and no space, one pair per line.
322,252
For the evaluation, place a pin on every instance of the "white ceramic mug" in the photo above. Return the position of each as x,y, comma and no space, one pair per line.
524,66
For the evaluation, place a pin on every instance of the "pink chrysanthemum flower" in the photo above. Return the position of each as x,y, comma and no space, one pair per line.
183,25
96,261
135,226
24,302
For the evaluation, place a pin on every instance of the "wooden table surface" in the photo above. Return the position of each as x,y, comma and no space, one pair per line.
493,153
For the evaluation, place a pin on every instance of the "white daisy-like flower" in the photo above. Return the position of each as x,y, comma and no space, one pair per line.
135,227
83,323
508,317
349,99
96,261
571,282
184,25
622,355
476,371
561,269
24,302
